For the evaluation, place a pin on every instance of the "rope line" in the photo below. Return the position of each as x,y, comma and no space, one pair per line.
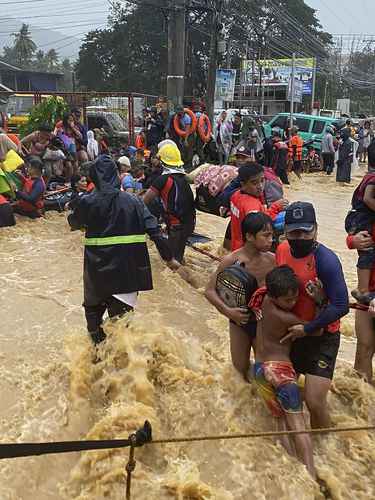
144,436
326,430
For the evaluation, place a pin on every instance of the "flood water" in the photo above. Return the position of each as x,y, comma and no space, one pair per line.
169,364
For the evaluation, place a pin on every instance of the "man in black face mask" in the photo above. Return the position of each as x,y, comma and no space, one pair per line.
312,262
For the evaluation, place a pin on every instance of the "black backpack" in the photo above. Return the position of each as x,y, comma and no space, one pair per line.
235,286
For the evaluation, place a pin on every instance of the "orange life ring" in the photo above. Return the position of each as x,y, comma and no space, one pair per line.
191,129
204,128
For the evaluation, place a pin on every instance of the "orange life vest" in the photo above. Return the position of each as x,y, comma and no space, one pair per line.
295,148
27,188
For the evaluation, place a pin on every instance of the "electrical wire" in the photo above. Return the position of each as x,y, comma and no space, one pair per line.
56,14
22,2
42,28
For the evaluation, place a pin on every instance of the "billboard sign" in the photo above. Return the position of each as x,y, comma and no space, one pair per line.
225,83
277,72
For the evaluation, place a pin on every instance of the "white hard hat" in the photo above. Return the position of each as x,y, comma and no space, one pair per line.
124,160
165,142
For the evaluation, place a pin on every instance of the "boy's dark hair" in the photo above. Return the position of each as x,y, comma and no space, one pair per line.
45,127
75,180
57,143
137,170
249,171
255,222
281,281
35,162
85,168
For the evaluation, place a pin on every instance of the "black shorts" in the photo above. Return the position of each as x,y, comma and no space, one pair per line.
316,355
250,328
366,259
228,232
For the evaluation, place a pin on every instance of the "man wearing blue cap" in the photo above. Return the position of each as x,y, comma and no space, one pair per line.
312,262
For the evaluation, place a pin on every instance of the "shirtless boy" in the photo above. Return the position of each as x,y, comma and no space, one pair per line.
274,373
256,258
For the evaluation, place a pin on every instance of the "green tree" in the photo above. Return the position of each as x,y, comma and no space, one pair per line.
8,55
49,111
24,47
131,54
52,59
40,61
66,68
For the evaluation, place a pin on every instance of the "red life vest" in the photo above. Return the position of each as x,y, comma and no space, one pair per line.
242,204
27,188
3,200
305,269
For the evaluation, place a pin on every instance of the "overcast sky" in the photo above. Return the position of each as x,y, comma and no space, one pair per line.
345,16
73,17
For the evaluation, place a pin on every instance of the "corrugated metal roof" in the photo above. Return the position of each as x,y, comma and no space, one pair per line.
10,67
5,89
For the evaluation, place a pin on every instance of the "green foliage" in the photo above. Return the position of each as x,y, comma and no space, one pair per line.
25,54
131,54
24,47
49,111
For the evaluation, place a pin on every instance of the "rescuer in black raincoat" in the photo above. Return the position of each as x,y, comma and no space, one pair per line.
116,259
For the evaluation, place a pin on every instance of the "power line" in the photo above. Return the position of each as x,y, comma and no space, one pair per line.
56,14
41,28
22,1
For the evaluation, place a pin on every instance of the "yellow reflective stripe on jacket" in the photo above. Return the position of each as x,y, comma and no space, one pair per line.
115,240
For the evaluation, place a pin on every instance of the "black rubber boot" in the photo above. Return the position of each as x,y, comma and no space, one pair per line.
98,336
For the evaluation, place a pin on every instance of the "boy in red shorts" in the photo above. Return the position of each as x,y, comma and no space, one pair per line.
275,376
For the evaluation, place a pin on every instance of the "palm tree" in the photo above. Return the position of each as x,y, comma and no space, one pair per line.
24,47
40,60
52,58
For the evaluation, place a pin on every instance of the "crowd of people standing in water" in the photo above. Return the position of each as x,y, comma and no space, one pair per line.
295,291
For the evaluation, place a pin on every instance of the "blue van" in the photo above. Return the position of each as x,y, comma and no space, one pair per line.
310,127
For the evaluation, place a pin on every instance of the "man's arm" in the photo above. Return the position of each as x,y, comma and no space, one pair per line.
369,197
360,241
26,141
155,189
330,273
149,196
288,320
78,218
153,230
331,145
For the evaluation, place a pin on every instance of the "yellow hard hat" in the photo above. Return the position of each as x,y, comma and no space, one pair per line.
170,155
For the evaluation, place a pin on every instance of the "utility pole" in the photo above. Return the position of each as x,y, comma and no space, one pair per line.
252,77
229,44
325,94
212,66
292,89
313,85
176,53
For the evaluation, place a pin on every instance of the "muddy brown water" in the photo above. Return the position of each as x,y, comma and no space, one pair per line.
169,364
